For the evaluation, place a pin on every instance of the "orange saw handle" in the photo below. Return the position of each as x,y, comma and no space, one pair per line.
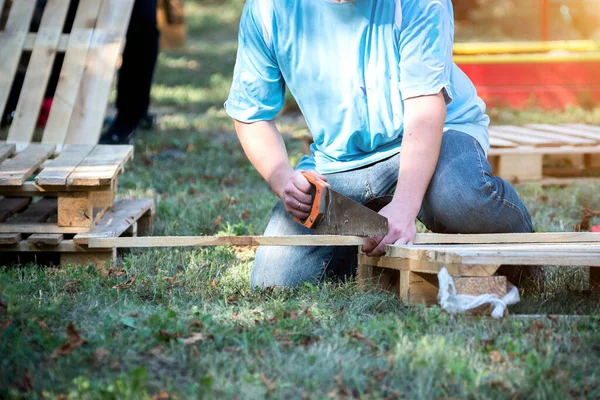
319,205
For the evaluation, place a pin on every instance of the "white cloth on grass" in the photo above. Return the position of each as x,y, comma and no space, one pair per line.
456,303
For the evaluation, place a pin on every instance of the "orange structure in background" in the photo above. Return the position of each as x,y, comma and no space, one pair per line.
550,75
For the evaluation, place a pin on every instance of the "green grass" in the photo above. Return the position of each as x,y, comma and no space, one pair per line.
330,340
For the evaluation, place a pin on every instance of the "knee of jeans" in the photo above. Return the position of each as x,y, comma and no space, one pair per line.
283,266
476,208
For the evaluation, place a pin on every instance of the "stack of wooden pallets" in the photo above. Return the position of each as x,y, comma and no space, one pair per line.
59,192
56,202
411,271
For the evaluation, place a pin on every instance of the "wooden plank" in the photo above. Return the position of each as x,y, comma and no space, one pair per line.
15,171
39,228
56,171
117,220
498,142
31,189
38,71
72,72
61,47
421,238
39,211
520,167
427,267
101,165
500,133
560,139
12,205
66,246
6,150
11,43
490,238
588,128
9,239
527,150
45,239
92,98
569,131
417,288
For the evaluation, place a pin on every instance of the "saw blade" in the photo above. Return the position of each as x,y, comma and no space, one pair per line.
344,216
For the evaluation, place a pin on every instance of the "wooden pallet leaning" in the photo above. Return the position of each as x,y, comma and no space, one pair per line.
91,50
127,218
47,196
525,154
411,271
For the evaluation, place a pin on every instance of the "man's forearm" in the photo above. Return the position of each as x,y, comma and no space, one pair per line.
421,143
265,149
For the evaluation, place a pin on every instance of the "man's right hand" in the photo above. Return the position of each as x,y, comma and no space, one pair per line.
296,195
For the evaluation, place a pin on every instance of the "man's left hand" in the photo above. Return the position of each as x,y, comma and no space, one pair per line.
401,230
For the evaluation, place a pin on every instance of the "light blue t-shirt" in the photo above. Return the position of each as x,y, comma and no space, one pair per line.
350,66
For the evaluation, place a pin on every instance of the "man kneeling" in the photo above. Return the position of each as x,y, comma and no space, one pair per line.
389,111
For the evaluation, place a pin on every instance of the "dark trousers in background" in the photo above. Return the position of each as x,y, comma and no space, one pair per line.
139,60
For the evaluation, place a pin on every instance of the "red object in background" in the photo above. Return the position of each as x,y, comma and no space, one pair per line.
549,84
596,228
44,112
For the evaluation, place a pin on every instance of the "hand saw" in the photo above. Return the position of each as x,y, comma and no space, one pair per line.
332,213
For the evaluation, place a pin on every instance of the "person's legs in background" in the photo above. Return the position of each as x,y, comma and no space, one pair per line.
135,76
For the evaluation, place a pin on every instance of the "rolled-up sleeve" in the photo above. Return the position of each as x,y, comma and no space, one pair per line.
257,92
425,46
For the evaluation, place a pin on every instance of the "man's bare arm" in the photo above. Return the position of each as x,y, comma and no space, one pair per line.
266,150
421,143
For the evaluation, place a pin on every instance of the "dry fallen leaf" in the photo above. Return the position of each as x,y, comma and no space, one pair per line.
194,338
495,356
270,384
114,364
195,324
361,338
73,341
213,284
162,395
196,351
43,325
4,324
218,221
25,384
100,354
72,286
3,307
246,214
123,286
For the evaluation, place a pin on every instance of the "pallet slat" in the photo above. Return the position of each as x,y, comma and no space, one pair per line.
12,205
72,72
6,150
560,138
11,43
9,239
56,172
106,46
117,220
580,131
45,239
38,71
14,171
100,166
520,139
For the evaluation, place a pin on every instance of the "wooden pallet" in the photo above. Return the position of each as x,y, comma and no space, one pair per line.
411,271
91,50
535,152
127,218
45,195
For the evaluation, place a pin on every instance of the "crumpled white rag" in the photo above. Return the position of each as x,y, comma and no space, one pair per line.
456,303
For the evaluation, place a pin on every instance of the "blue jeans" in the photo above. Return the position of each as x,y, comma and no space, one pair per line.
463,197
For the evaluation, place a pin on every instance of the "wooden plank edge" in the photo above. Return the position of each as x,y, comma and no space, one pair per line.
195,241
